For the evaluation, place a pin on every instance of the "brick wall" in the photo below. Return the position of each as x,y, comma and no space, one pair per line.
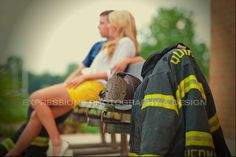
222,62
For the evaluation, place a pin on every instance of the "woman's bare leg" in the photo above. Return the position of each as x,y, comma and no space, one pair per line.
43,102
31,130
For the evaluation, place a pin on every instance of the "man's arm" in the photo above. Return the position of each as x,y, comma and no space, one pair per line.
122,65
76,73
87,61
136,59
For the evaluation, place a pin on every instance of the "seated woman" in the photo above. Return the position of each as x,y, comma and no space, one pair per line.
86,87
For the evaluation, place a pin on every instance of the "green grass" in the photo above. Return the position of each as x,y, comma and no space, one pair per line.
84,128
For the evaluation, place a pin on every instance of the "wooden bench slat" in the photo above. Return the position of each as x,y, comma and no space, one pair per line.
97,105
120,128
106,106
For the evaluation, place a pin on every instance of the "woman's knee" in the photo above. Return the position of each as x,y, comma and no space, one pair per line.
34,116
35,119
35,98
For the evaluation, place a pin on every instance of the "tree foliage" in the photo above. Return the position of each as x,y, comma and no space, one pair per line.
172,26
12,107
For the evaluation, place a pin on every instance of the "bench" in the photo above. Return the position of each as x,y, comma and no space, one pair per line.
111,119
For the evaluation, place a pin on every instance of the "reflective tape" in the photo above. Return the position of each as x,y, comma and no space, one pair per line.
8,143
186,85
134,154
150,155
40,141
160,100
214,123
198,138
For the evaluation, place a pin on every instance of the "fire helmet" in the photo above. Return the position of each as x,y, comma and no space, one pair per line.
120,89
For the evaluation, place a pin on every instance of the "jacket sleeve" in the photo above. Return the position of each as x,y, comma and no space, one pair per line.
159,115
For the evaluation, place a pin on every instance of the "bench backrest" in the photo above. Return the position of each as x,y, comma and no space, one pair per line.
135,69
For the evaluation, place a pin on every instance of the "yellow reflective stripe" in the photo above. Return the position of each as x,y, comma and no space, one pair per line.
214,123
150,155
133,154
162,96
162,105
186,85
160,100
40,141
42,138
198,138
8,144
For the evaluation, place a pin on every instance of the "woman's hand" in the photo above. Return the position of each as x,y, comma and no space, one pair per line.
120,66
77,81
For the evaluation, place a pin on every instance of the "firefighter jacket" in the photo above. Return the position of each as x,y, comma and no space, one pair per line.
174,112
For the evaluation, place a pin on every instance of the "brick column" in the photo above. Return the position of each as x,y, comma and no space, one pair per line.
222,62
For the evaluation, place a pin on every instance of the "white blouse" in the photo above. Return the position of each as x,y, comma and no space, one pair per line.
102,63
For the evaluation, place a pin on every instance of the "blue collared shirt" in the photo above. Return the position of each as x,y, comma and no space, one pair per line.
93,53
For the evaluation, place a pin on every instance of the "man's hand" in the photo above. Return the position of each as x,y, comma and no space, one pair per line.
120,66
77,81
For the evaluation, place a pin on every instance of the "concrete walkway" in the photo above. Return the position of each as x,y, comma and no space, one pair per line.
85,138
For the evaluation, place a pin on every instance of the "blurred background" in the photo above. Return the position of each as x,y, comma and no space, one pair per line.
43,41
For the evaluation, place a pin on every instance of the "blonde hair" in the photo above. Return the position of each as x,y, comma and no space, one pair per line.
126,27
